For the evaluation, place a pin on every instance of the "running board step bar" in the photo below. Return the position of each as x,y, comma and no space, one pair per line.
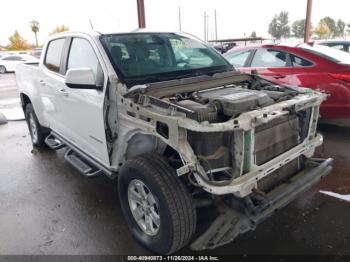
81,164
53,142
84,163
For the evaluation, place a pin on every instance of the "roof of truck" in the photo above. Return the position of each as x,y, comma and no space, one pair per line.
98,33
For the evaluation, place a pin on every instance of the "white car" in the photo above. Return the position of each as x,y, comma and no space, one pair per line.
8,62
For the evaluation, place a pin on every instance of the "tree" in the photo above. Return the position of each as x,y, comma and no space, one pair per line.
253,34
322,30
34,25
17,42
340,28
60,29
348,28
298,28
279,27
331,25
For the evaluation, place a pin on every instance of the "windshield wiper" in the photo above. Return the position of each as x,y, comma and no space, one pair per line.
174,75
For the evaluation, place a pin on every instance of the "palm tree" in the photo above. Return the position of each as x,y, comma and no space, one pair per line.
34,25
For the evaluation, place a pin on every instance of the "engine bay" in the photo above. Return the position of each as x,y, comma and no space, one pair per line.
222,103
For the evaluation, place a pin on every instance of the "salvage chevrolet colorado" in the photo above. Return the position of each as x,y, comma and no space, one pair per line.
179,127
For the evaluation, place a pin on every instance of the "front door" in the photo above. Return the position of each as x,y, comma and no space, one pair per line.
82,109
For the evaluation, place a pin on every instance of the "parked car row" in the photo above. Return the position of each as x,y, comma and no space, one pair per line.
8,63
342,45
308,65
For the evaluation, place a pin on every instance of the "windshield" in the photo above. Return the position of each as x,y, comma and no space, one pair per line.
145,57
328,53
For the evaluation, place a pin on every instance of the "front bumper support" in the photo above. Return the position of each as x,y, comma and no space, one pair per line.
230,223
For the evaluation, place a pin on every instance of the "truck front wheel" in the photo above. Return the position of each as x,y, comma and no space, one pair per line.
156,205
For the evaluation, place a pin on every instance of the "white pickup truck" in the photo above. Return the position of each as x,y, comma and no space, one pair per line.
179,127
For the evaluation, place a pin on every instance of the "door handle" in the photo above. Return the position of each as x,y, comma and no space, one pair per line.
42,82
278,76
63,92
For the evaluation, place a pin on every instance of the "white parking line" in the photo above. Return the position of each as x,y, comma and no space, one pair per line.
336,195
7,84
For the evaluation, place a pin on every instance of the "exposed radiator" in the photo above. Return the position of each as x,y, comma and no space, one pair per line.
276,137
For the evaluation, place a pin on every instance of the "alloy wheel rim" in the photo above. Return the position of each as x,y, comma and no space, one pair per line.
2,69
143,207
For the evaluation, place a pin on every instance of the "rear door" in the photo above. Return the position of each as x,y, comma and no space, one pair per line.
50,83
273,64
281,67
82,109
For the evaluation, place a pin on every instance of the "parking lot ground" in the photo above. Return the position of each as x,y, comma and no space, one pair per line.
47,207
9,98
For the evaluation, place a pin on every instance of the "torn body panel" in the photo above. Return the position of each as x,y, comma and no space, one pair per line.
232,222
223,156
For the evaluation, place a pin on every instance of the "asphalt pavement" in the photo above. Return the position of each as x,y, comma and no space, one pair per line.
10,108
47,207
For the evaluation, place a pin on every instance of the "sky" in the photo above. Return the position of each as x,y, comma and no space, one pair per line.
235,18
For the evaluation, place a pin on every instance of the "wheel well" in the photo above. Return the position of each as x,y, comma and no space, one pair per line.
141,144
24,100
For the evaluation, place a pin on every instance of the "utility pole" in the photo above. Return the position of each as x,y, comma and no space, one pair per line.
308,21
141,13
179,18
205,26
216,27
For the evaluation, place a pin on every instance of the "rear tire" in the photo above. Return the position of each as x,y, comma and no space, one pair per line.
37,132
2,69
171,201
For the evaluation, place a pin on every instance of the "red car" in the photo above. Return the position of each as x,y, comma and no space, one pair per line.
316,67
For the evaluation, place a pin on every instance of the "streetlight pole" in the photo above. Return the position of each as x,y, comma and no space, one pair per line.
141,13
205,26
307,30
216,28
179,18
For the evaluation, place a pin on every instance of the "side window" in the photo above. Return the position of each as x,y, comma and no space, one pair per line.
13,58
299,62
238,59
53,55
339,47
82,55
347,48
269,58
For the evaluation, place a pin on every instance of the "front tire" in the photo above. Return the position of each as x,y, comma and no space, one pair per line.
150,192
37,132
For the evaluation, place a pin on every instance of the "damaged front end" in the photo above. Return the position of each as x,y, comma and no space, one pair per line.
239,138
233,220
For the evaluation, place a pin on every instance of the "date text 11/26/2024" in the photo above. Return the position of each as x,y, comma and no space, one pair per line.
173,258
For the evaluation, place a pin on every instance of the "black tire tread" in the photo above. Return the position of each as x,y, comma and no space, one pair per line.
176,196
184,204
42,131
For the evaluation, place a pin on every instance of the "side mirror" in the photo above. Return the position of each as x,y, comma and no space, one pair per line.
81,78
